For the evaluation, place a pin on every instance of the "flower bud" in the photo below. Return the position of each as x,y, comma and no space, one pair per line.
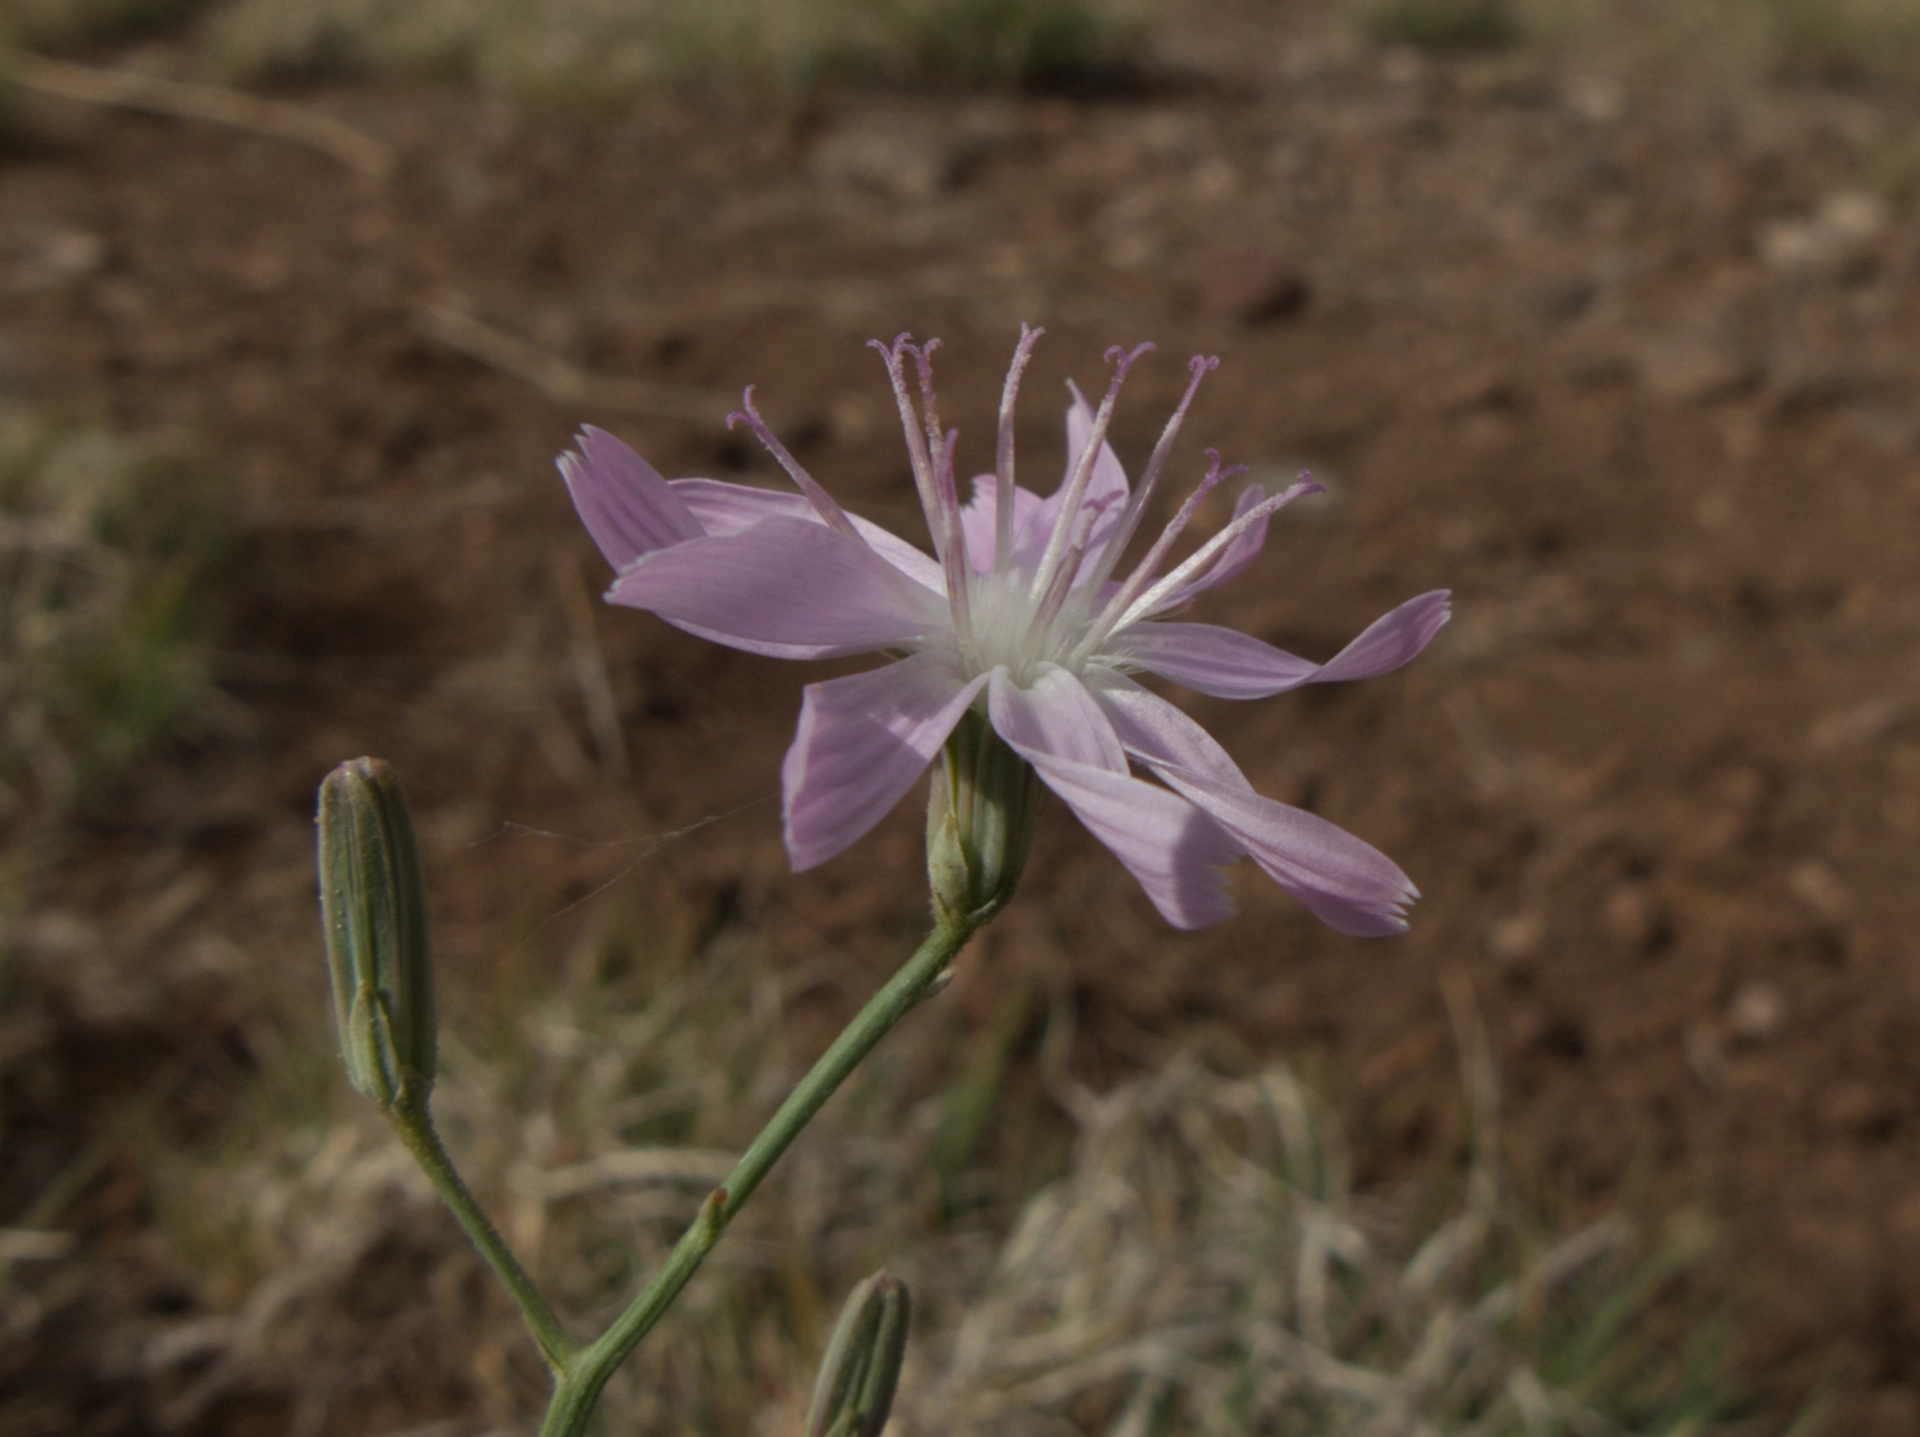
374,910
854,1391
979,823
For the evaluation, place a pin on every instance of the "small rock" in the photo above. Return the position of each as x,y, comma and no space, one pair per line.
1213,179
902,166
1857,724
1704,1054
1599,366
1837,243
1252,287
1480,387
1132,250
1886,427
264,271
1596,98
1758,1013
1695,368
1517,937
54,258
1859,1109
1403,65
1802,382
1631,915
1564,1038
1566,300
57,935
121,300
907,156
1819,887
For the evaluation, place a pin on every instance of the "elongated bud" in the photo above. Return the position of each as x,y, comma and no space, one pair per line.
854,1391
979,823
374,910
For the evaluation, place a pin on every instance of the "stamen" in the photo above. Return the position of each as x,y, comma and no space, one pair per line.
916,441
929,411
1197,369
1143,571
1145,604
834,516
1055,598
953,554
1003,452
1076,488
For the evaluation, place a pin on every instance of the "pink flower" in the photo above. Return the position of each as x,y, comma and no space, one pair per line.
1022,612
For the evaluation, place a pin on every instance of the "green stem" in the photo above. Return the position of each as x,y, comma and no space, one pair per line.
583,1377
414,1124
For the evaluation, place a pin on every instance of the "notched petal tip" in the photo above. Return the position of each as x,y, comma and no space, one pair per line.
1394,639
626,506
1358,909
1342,880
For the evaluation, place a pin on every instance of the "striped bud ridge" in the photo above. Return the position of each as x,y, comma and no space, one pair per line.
854,1392
373,910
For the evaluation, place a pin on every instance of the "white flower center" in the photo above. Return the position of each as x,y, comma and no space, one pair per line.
1006,627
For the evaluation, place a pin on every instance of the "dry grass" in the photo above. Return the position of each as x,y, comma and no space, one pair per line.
603,50
1836,41
1205,1267
105,550
592,1128
587,48
1441,24
1198,1262
1839,42
75,24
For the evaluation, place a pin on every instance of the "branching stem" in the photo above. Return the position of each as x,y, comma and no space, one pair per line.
414,1125
583,1375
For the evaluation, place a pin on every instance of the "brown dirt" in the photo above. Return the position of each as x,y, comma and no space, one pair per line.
1547,328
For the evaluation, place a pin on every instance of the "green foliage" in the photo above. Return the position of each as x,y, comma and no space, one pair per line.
59,25
15,126
986,44
1842,41
604,48
1892,165
319,40
105,554
1830,42
1442,24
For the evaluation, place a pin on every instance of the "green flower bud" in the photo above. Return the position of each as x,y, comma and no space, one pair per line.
374,911
979,824
854,1391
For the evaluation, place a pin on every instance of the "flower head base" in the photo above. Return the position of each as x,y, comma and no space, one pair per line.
1019,620
979,823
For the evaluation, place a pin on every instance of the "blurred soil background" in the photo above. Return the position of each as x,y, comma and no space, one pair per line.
1607,317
